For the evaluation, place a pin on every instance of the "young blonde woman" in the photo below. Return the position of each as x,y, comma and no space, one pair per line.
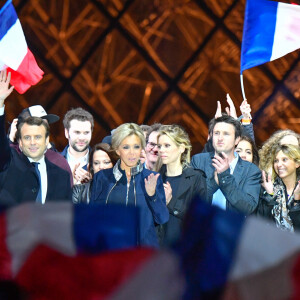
280,200
181,182
129,183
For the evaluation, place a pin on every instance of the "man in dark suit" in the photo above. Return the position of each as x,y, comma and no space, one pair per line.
28,176
232,183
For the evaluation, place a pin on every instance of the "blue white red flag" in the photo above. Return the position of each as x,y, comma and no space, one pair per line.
227,256
59,251
271,30
14,53
71,230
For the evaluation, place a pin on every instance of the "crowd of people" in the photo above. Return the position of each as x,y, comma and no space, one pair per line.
150,167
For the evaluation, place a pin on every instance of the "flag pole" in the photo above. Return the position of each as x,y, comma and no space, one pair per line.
242,86
243,90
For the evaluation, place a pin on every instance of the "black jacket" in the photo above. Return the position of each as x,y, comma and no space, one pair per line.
18,181
81,193
266,204
192,183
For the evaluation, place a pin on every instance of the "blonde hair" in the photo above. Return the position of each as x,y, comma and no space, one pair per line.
291,151
181,138
265,157
125,130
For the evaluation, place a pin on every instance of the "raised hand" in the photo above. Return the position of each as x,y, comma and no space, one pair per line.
245,110
218,113
13,130
267,183
5,90
231,111
150,184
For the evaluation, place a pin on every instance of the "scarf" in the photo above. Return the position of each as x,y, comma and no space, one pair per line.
280,210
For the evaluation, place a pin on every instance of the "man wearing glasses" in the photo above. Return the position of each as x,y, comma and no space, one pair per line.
151,146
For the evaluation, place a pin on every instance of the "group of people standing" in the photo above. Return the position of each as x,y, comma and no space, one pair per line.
150,167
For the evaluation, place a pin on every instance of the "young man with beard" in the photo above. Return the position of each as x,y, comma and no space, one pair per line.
232,183
79,125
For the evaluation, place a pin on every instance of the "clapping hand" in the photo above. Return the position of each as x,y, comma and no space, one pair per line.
5,91
231,111
218,113
150,184
80,175
267,183
168,192
13,130
297,192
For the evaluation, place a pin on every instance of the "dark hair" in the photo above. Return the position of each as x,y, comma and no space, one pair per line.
103,147
153,127
145,128
211,125
255,155
32,121
229,120
77,114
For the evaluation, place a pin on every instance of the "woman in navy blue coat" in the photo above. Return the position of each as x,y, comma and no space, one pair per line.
129,183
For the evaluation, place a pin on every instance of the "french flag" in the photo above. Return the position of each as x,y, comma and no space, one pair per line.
227,256
62,251
271,30
14,53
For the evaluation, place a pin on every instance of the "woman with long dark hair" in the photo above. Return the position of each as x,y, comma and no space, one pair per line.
101,157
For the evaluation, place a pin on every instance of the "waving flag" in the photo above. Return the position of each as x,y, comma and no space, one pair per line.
271,30
14,53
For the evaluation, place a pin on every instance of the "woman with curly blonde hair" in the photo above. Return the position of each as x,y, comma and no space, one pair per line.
280,137
280,200
181,181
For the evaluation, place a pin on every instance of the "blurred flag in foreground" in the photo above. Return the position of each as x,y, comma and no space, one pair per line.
227,256
14,53
271,30
59,251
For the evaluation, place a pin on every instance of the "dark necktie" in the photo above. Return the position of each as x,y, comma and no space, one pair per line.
39,195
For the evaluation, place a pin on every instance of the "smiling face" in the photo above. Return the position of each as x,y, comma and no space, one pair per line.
33,141
101,161
168,151
284,166
79,135
129,151
244,150
224,138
